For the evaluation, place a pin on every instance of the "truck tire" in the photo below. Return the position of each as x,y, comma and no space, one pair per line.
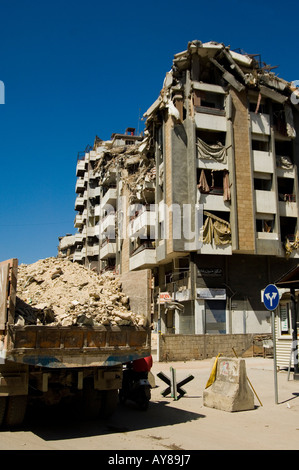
3,401
92,403
143,398
15,410
110,402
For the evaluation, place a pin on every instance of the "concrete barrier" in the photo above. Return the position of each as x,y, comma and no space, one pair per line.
230,390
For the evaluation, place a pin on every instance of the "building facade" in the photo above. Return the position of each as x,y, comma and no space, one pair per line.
207,198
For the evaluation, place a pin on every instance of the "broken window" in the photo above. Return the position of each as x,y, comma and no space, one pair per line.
209,100
264,225
279,119
263,184
260,145
211,137
286,189
259,107
214,182
284,154
287,227
211,146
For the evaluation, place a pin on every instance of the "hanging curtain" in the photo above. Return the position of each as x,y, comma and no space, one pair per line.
226,186
215,151
208,231
216,229
203,184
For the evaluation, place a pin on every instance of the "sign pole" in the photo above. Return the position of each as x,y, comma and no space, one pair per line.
158,327
271,302
274,357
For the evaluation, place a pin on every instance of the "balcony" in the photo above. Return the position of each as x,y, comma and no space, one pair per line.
213,202
80,185
109,198
108,250
288,209
144,257
265,201
210,121
84,215
260,123
78,256
93,250
78,221
90,251
97,211
79,237
108,224
263,161
80,169
94,192
143,224
79,202
92,155
90,231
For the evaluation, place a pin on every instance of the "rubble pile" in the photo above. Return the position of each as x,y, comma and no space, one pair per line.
54,291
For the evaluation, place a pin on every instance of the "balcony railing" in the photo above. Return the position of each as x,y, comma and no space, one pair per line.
260,123
143,223
263,161
109,198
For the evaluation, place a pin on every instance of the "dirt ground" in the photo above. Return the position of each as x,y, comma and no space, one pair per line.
168,424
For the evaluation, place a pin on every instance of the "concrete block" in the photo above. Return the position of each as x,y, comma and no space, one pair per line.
230,391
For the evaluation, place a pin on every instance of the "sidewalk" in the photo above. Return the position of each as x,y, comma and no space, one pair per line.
270,426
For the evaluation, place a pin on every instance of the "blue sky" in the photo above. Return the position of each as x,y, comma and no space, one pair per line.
76,69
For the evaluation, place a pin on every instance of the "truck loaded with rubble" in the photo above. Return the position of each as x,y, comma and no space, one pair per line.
66,331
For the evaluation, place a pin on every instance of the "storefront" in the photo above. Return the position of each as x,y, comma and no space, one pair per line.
286,321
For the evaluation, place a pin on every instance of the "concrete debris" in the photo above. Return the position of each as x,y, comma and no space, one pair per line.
57,292
133,163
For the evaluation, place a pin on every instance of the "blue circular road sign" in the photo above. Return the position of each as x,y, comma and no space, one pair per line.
271,297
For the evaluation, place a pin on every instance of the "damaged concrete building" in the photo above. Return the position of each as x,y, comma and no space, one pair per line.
207,198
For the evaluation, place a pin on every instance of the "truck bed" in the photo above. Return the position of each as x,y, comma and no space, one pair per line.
70,347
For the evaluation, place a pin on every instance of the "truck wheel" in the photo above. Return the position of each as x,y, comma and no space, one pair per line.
92,403
143,398
3,401
110,402
16,409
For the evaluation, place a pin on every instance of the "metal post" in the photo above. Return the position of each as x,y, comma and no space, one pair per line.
158,327
274,357
294,334
173,383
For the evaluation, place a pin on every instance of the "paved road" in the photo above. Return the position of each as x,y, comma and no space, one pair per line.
183,424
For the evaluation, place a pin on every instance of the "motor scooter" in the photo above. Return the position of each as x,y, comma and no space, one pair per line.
135,385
